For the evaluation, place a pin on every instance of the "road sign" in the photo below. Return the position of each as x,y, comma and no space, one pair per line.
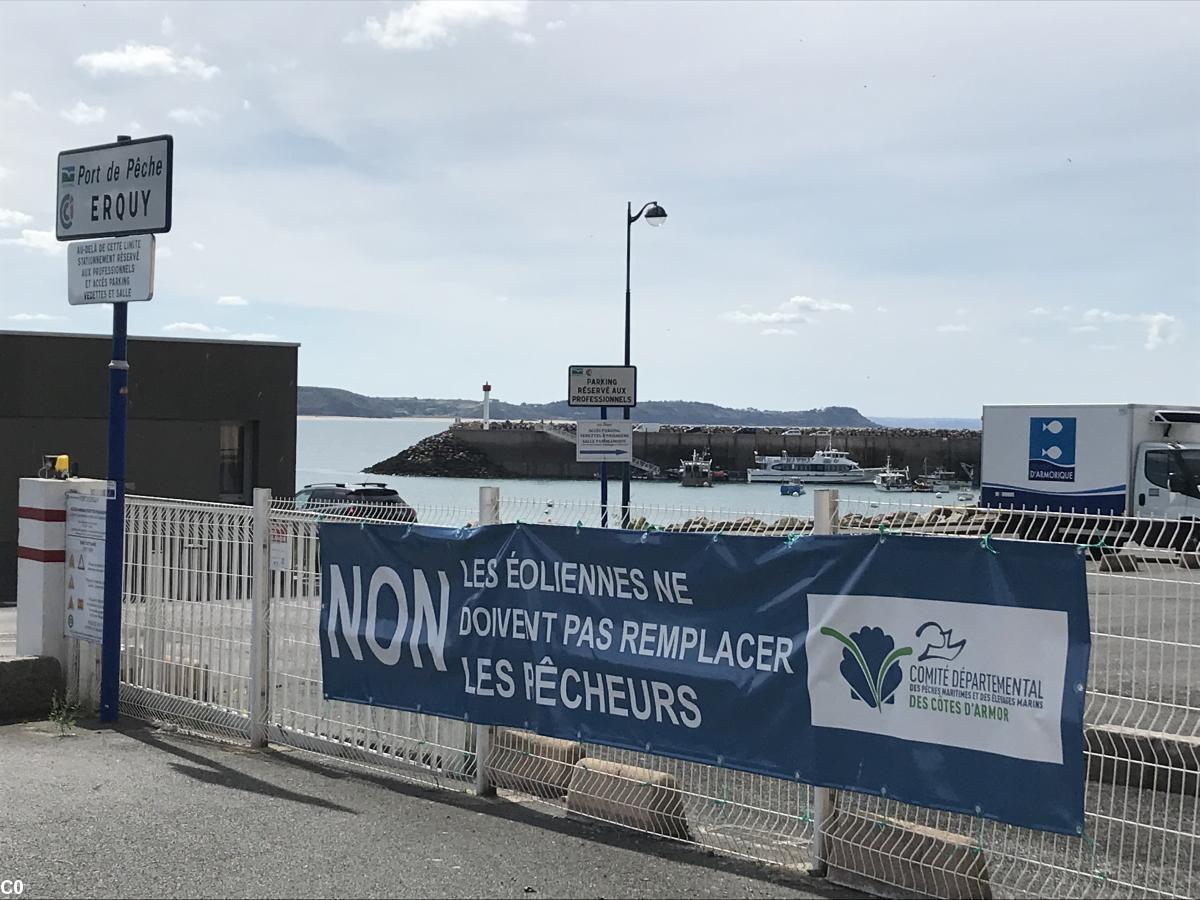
602,386
111,270
604,441
112,190
84,582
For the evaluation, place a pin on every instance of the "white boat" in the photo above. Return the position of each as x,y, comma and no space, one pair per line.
966,496
828,466
792,489
892,479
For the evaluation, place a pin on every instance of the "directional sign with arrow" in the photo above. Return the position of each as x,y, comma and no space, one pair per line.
604,440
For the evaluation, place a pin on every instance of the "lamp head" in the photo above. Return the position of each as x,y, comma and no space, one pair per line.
656,215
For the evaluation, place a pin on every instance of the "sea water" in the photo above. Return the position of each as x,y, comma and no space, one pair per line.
338,449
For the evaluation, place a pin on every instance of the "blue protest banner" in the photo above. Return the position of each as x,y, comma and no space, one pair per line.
929,670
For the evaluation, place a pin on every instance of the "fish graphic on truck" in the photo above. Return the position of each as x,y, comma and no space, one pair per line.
1052,448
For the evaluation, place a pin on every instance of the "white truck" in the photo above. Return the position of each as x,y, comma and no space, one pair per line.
1125,459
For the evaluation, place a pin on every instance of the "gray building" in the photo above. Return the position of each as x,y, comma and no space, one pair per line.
208,420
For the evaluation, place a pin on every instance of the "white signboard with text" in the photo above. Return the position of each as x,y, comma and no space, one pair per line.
113,190
602,386
111,270
84,579
604,441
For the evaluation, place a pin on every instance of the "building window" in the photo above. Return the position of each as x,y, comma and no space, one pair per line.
234,456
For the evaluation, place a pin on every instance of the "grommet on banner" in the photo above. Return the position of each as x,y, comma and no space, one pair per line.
644,536
986,544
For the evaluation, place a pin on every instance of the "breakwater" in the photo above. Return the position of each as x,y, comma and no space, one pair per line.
524,450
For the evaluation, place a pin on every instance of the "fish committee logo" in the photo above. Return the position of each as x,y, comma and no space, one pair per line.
1052,448
870,664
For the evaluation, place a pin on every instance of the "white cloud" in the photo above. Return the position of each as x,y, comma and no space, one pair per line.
1025,340
1084,329
31,239
245,104
524,37
195,115
22,98
145,59
82,114
232,300
427,23
1039,311
161,252
960,312
794,309
818,305
192,328
255,336
953,329
36,317
135,127
168,27
742,317
1103,348
1161,328
197,246
780,331
11,218
881,309
555,25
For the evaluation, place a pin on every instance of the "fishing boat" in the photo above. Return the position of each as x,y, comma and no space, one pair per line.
828,466
966,497
892,479
695,472
792,489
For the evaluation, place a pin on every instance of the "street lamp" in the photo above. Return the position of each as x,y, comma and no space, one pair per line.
655,215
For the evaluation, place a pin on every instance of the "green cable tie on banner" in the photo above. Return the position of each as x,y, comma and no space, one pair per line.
1096,873
986,544
1097,544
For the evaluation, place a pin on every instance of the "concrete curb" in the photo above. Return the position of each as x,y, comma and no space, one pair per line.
28,684
1148,759
531,763
892,858
628,795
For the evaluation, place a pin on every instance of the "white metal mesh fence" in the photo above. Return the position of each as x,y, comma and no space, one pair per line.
185,623
186,633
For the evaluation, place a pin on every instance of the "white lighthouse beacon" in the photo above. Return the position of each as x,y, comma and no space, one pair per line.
487,406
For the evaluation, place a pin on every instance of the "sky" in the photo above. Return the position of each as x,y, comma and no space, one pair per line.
912,209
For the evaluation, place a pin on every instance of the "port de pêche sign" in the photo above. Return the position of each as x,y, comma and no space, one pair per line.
602,386
113,190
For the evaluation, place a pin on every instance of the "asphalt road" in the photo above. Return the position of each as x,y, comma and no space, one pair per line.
138,812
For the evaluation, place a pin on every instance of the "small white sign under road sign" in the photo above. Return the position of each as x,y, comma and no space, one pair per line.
111,190
602,386
84,580
111,270
604,441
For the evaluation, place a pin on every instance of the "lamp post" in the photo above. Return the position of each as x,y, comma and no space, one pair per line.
655,215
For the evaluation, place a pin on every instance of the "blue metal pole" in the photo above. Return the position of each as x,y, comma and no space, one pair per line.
604,480
114,526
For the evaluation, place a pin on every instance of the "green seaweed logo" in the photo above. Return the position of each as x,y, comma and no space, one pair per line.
870,664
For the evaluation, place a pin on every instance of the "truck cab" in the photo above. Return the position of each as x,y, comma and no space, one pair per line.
1167,480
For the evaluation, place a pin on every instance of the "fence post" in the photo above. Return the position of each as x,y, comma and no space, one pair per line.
825,503
260,620
489,514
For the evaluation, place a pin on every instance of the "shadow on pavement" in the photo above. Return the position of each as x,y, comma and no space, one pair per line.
567,826
212,772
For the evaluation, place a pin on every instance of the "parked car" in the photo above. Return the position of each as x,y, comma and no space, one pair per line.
368,499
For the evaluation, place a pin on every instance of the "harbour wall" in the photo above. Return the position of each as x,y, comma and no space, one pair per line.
530,453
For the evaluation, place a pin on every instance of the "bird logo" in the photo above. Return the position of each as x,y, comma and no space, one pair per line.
944,647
